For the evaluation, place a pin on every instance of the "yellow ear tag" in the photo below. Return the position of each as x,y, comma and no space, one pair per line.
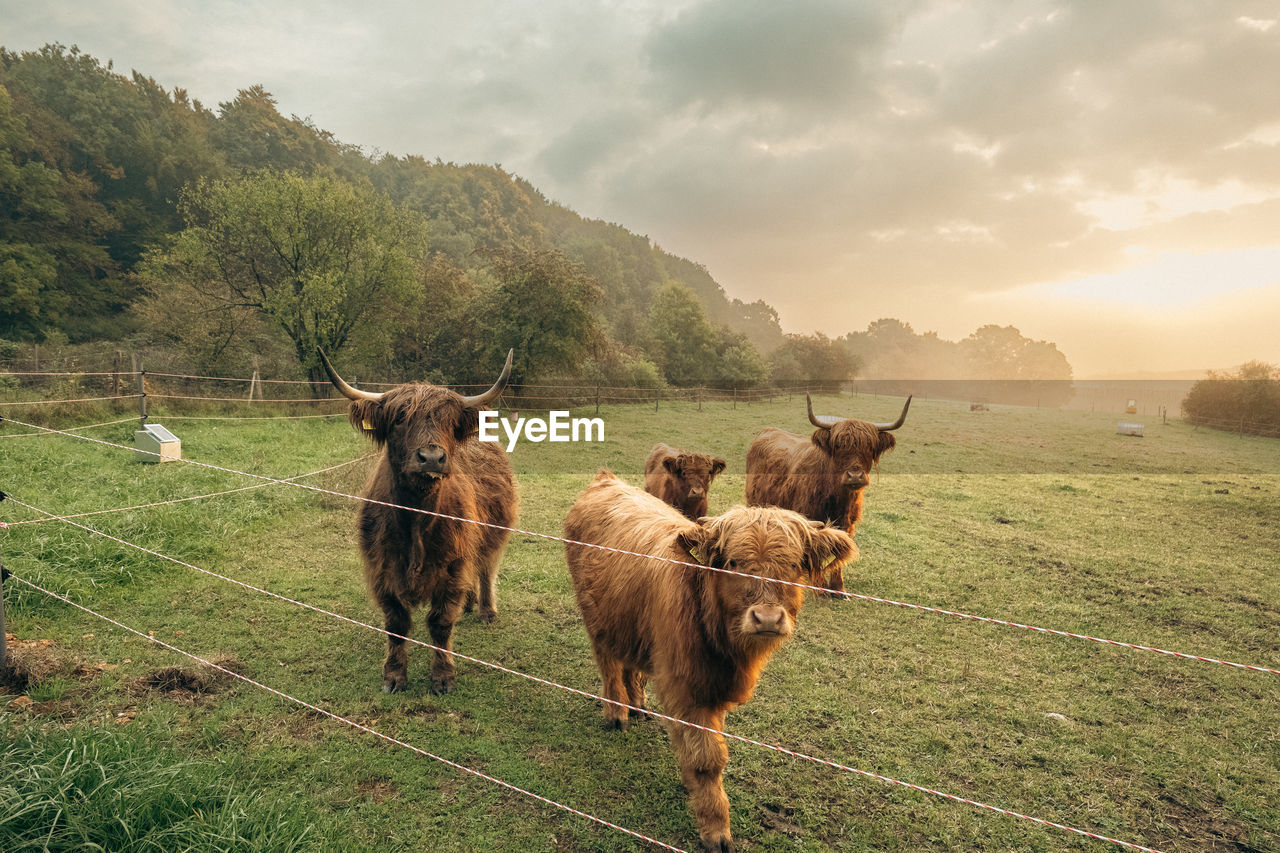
829,561
695,554
367,425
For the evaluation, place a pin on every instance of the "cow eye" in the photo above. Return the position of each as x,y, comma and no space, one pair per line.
733,564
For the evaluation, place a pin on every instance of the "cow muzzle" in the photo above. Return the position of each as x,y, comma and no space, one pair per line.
769,620
855,479
431,461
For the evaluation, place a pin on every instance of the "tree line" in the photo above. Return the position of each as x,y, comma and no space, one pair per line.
233,235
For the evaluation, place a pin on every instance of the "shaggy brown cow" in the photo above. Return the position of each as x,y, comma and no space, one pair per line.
703,636
433,462
822,477
681,479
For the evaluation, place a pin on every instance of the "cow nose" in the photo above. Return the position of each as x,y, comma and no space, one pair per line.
857,479
433,457
696,492
768,618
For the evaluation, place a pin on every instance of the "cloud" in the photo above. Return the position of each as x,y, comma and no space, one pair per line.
844,161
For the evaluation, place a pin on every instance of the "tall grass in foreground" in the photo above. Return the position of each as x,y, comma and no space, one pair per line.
98,790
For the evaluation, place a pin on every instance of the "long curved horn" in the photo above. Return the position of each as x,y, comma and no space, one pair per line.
899,422
492,394
823,422
338,382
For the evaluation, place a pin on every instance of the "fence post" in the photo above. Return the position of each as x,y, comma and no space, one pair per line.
142,396
597,399
657,395
4,665
4,574
115,375
699,398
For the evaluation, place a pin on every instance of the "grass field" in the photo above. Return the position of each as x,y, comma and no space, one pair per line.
1029,515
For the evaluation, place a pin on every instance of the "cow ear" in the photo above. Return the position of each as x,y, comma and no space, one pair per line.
717,465
468,423
828,546
694,543
672,464
822,438
887,442
370,418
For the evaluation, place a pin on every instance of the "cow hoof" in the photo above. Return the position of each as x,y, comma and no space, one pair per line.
394,683
718,843
487,616
613,725
441,686
637,713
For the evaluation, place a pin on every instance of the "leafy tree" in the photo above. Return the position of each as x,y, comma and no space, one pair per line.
328,263
682,335
738,364
541,304
813,358
1248,400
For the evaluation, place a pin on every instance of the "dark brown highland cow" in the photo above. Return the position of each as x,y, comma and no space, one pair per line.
703,636
681,479
434,462
821,476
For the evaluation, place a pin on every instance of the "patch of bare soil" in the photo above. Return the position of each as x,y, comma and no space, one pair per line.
779,819
187,685
378,790
1211,832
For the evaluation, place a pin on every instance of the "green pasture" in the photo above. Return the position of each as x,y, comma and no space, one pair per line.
1029,515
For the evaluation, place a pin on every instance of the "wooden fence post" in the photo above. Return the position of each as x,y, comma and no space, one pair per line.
142,397
597,399
657,395
4,574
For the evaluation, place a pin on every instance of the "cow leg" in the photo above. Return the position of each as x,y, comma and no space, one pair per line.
445,610
635,681
397,620
703,756
834,583
486,588
615,688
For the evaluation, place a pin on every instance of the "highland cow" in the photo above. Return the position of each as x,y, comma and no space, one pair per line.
821,476
432,462
703,636
681,479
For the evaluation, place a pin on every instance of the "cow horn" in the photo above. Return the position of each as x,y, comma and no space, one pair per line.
338,382
823,422
899,422
492,394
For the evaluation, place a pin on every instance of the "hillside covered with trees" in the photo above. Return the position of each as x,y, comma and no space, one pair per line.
218,238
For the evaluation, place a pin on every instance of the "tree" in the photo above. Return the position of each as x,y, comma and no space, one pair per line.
813,358
738,363
685,339
1248,400
543,306
328,263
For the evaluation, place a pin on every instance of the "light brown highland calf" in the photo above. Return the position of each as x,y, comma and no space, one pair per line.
702,636
821,476
434,462
681,479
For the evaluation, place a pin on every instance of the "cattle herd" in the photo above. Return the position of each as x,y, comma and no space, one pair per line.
700,622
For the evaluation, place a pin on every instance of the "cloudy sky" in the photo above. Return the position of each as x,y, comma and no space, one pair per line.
1105,175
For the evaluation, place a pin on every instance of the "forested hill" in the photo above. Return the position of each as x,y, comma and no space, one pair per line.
134,213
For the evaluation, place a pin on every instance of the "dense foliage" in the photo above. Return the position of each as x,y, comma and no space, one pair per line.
1247,401
234,235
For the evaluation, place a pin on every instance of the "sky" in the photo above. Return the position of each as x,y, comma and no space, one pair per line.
1103,175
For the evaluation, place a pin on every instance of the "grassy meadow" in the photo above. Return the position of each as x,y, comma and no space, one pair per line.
1029,515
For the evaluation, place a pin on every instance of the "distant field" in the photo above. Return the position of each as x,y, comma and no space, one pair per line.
1030,515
